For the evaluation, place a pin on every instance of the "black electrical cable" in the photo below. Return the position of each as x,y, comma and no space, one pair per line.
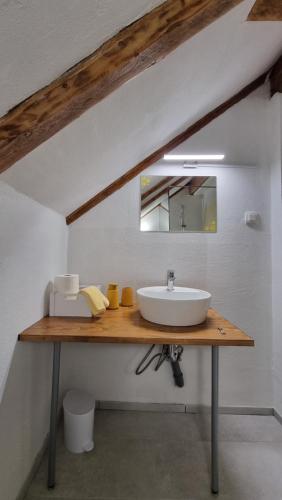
163,355
140,370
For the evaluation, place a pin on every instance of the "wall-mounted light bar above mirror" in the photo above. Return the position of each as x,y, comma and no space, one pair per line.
195,157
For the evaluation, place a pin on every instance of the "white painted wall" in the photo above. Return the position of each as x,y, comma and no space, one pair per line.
234,265
33,248
274,153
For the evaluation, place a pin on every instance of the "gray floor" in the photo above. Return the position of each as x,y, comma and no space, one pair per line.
148,456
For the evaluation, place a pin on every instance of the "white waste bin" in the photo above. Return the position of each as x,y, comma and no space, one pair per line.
79,409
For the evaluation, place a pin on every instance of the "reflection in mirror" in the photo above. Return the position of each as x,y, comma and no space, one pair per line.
178,204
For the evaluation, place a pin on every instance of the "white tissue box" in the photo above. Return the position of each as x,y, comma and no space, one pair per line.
60,306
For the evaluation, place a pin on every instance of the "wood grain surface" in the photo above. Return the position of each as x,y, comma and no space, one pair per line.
125,325
266,10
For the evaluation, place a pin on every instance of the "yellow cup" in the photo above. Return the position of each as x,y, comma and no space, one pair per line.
127,296
112,294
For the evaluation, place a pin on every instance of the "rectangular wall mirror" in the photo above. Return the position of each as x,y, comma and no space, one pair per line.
178,204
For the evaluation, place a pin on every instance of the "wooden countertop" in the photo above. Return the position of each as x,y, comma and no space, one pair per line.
125,325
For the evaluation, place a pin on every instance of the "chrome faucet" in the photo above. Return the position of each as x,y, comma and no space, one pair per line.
170,280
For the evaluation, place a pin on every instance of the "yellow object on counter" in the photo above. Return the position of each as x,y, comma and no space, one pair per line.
127,295
96,300
112,295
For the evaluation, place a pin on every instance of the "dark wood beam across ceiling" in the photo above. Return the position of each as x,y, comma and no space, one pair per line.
266,10
131,51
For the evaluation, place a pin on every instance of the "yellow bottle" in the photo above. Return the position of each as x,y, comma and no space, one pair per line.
127,299
112,294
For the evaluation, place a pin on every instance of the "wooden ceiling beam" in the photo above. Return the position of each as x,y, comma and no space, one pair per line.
131,51
166,148
276,77
266,10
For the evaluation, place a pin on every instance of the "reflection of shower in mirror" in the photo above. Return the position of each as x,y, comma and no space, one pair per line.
182,220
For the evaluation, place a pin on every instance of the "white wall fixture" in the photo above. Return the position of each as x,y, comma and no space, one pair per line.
251,218
198,164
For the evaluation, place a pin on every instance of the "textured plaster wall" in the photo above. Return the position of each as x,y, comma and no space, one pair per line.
274,152
234,265
33,248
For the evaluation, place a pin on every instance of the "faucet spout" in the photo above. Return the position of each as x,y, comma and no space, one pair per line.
170,280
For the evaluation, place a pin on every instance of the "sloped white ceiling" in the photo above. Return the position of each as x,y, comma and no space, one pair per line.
146,112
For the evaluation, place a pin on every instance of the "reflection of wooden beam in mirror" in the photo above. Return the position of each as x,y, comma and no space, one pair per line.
193,185
155,187
196,183
266,10
164,191
185,186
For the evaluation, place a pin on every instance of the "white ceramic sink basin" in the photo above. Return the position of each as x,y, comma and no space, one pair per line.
179,307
